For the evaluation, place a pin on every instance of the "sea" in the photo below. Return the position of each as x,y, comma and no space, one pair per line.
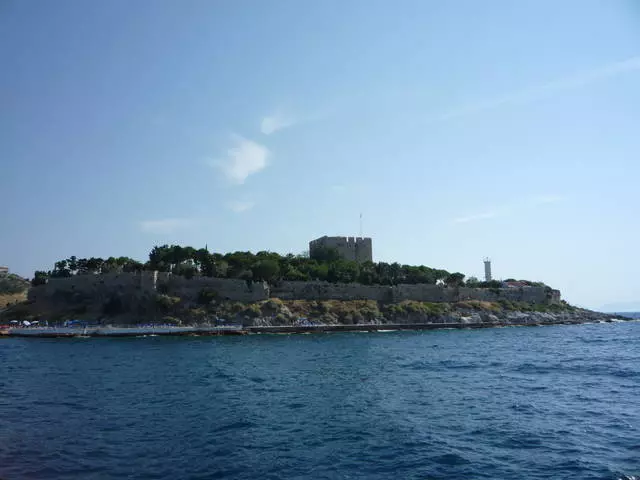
555,402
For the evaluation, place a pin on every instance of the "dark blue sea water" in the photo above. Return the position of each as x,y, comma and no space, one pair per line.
511,403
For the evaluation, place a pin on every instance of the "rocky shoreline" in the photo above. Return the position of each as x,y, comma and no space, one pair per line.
460,318
265,325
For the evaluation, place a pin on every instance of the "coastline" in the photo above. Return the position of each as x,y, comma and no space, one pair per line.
132,331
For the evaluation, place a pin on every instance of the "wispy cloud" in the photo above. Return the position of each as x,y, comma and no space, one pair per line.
507,209
165,225
277,121
541,91
244,158
240,206
477,217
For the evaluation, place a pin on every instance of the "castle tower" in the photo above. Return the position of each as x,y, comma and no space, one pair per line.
487,269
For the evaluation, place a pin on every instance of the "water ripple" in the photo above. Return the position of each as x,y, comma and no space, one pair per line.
557,402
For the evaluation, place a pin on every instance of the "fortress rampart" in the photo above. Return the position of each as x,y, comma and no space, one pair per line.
144,283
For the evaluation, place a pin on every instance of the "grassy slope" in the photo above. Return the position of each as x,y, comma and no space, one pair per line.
13,289
11,298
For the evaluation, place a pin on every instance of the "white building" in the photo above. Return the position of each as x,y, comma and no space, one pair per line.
4,271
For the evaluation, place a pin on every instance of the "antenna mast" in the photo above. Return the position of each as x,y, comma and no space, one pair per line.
360,224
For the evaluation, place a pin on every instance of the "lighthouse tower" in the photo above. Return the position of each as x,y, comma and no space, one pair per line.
487,269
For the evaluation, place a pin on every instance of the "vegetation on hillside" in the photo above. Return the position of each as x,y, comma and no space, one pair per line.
325,265
13,289
12,284
162,308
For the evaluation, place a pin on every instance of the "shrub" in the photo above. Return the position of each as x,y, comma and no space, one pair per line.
252,310
166,303
237,307
206,296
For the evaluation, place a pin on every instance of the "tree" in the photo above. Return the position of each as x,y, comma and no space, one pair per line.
159,258
110,265
455,280
239,264
61,270
368,274
343,272
94,265
472,282
266,269
295,275
72,262
39,278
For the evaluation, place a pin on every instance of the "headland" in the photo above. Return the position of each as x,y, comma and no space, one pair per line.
183,291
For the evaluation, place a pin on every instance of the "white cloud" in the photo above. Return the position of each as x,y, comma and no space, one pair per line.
477,217
165,225
245,158
275,122
517,205
538,92
240,206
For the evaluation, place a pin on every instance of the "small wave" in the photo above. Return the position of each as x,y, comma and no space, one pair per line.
240,425
450,459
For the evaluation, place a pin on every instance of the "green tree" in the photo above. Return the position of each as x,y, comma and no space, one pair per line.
159,258
368,274
61,270
266,269
295,275
472,282
39,278
455,279
343,272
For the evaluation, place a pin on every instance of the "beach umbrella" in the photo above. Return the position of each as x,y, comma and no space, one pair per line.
26,323
13,321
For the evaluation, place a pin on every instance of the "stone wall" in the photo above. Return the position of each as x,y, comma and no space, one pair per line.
331,291
93,285
225,288
102,286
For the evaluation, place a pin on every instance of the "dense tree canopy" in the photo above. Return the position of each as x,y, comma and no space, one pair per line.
325,265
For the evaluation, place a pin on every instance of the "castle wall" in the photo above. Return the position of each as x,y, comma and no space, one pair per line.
225,288
141,283
331,291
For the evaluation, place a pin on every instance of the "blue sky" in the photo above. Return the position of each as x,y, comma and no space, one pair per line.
458,129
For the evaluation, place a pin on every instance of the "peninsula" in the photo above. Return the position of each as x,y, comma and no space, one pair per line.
334,287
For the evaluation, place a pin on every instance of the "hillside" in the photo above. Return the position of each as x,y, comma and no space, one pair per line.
13,289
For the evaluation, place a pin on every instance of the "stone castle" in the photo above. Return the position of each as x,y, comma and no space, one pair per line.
355,249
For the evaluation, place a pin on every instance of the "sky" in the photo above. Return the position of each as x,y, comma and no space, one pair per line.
459,130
